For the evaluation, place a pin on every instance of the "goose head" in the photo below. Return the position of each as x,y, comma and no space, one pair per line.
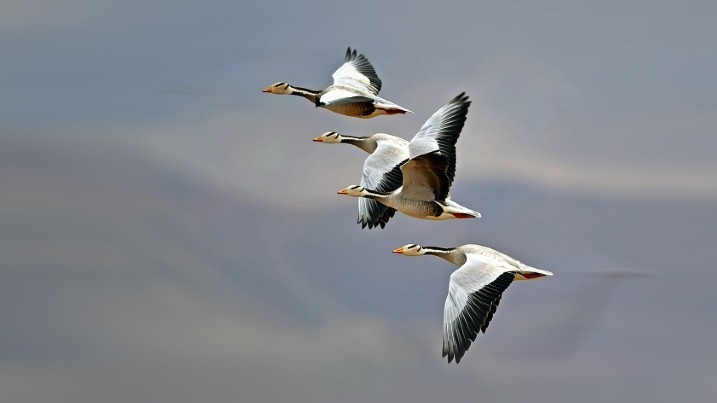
329,137
354,190
410,250
279,88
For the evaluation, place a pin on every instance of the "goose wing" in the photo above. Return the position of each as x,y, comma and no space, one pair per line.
424,178
357,72
474,292
382,173
343,96
430,171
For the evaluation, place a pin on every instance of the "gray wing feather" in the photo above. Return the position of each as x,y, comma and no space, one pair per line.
424,179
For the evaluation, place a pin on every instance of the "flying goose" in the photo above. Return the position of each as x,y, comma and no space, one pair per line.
428,173
474,290
353,93
386,151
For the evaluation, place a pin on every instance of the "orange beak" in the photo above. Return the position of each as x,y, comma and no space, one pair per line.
342,192
267,89
398,250
318,139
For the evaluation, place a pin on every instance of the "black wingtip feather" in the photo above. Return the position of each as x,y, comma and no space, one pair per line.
379,222
365,67
454,119
350,54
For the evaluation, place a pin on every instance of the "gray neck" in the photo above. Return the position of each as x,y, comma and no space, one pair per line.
450,254
365,143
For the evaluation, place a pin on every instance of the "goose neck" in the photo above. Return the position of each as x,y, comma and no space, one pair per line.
449,254
311,95
364,143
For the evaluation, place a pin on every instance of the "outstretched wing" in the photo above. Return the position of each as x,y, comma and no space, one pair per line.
357,72
431,169
382,173
423,177
474,292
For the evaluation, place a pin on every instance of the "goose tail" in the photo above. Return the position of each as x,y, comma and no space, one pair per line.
529,273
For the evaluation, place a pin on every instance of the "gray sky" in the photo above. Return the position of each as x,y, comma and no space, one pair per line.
170,233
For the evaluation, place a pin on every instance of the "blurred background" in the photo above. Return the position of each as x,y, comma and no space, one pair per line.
171,234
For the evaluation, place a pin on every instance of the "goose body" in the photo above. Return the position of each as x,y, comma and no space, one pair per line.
474,290
354,91
386,151
427,174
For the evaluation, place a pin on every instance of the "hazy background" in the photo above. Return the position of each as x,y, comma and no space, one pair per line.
171,234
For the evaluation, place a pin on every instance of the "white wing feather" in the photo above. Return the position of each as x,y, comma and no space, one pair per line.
341,96
475,276
357,72
388,154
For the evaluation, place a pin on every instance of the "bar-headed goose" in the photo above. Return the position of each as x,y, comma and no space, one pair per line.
428,173
474,290
353,93
386,151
